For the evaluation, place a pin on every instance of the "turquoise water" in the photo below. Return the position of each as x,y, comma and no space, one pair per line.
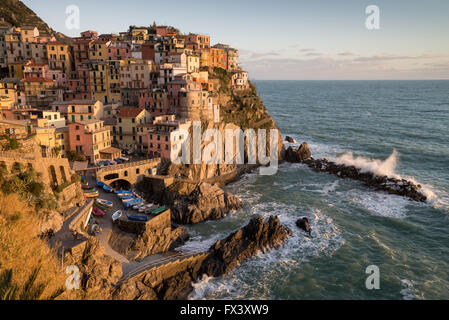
353,226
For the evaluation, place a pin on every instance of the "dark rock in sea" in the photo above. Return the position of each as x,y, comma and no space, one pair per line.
290,139
175,281
303,224
391,185
257,236
300,154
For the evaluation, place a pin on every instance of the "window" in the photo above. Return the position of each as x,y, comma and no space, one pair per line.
78,138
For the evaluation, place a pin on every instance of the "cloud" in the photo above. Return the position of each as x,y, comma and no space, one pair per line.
325,67
307,50
313,54
346,54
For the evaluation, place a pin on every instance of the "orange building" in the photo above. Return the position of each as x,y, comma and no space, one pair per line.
218,58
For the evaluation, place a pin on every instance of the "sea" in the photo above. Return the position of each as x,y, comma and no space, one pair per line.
397,128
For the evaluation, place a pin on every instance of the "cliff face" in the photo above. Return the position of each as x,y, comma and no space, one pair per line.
240,109
17,14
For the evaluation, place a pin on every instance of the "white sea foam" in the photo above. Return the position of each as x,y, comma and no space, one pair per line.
254,277
380,204
385,168
409,292
375,166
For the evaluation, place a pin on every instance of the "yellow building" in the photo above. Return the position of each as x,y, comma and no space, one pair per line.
98,50
105,81
60,57
125,131
15,70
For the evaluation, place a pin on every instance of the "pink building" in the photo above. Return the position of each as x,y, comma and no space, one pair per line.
163,140
89,138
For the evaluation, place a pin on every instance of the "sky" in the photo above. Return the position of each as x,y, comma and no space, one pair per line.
290,40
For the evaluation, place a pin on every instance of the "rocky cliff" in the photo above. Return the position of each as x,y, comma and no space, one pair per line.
175,281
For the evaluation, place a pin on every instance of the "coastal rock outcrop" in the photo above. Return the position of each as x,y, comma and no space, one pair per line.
257,236
98,271
391,185
175,281
206,202
298,154
290,139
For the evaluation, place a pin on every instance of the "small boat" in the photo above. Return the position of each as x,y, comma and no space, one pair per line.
159,210
116,215
100,184
137,206
107,188
136,217
89,189
86,187
123,192
98,212
146,207
129,204
104,202
127,197
91,194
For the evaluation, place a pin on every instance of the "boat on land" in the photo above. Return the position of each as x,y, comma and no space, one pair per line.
100,184
127,197
116,215
146,207
93,194
159,210
98,212
89,189
139,205
123,192
107,188
104,202
86,187
137,217
130,203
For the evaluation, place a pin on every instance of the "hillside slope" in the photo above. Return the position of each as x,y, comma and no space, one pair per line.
16,13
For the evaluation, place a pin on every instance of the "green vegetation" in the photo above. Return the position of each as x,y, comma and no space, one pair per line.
75,156
13,144
23,182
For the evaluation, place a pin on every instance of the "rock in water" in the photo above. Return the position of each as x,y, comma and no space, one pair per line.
303,224
391,185
257,236
290,139
300,154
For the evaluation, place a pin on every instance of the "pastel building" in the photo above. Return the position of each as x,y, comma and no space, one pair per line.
78,111
163,138
125,131
89,138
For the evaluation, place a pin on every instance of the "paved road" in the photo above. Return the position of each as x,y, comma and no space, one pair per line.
105,222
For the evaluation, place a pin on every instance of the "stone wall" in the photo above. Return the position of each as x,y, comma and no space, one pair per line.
53,171
81,216
159,222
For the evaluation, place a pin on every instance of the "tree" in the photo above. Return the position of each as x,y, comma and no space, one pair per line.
75,156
